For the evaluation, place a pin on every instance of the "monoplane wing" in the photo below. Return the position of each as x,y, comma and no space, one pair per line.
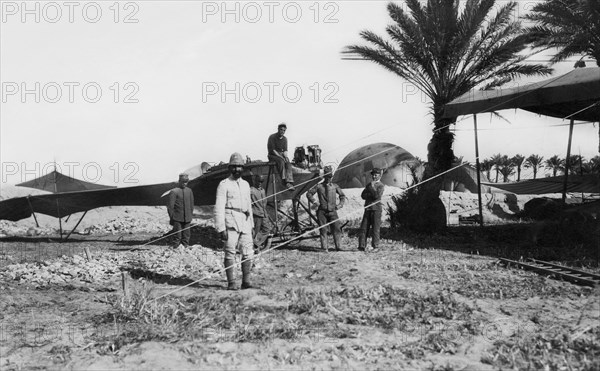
63,204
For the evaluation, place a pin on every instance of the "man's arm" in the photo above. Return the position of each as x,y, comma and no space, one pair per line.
271,146
254,196
342,196
247,201
311,194
220,207
284,153
379,190
171,203
366,193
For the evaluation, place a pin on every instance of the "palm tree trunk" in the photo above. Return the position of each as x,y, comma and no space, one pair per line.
534,172
439,149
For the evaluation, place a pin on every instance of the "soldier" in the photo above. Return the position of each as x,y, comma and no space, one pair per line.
233,220
328,206
277,147
372,216
181,208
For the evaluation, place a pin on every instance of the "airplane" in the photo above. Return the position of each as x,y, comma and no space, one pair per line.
70,196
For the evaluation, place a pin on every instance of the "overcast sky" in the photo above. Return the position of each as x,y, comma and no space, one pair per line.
140,91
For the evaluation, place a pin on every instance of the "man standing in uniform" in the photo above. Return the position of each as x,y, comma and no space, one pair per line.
259,212
372,216
181,208
277,147
233,221
328,206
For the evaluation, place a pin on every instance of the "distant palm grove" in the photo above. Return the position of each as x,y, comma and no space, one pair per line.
504,168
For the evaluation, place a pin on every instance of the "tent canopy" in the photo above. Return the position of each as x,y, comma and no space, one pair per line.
566,96
589,183
56,182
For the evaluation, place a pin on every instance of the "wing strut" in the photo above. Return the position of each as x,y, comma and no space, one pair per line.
76,225
33,212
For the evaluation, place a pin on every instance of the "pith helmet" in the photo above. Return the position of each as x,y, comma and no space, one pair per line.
376,170
184,176
328,170
236,160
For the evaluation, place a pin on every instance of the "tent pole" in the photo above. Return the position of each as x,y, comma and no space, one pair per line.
33,212
564,193
76,225
477,169
60,227
57,207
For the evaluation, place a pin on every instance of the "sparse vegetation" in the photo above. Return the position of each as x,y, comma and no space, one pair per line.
560,351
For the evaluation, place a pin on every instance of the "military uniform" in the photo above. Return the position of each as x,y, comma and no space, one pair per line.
181,209
233,220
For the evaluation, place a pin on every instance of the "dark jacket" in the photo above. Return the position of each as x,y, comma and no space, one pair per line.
372,195
327,196
181,204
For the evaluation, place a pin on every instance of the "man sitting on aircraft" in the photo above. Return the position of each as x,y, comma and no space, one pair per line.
277,146
181,209
328,206
233,220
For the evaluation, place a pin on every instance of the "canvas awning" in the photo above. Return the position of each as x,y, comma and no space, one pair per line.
574,96
565,96
589,183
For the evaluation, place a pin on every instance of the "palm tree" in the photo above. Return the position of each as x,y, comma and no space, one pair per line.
572,26
534,162
446,50
594,165
496,163
517,161
576,164
459,160
507,168
555,164
486,166
414,167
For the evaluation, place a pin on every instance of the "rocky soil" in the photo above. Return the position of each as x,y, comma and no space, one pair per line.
116,296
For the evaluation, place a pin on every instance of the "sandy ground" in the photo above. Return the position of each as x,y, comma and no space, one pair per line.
429,302
484,309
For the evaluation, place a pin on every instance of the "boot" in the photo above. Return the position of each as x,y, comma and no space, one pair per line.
324,243
337,240
362,240
229,263
246,268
